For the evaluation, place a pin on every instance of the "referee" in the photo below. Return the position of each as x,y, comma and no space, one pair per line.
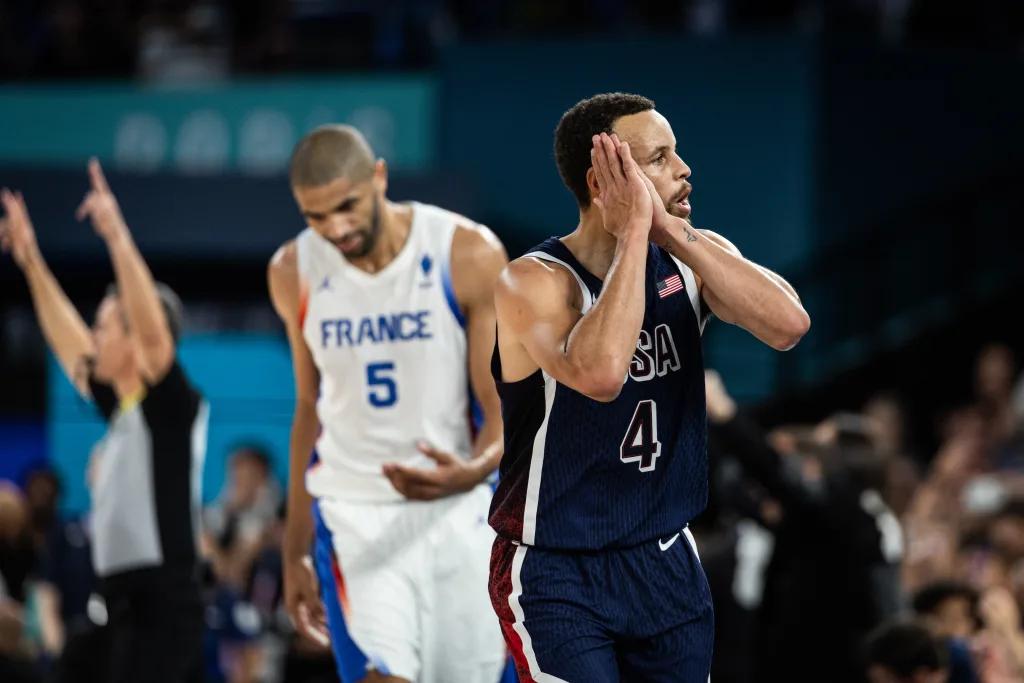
145,472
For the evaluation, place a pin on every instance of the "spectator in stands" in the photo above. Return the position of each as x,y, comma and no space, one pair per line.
982,634
948,608
64,583
17,553
238,530
886,423
905,653
835,530
16,559
15,662
42,491
1000,642
236,526
995,371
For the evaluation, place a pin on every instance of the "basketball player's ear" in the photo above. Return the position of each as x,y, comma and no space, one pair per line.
380,176
592,184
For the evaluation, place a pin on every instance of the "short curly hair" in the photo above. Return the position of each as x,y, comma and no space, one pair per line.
579,125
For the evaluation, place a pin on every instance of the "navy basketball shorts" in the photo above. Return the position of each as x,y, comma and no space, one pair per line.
640,614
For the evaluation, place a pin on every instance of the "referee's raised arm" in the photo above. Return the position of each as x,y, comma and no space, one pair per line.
65,332
143,474
138,293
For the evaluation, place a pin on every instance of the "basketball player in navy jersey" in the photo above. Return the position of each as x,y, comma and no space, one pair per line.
598,363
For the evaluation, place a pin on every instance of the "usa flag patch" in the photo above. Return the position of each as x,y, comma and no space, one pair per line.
670,285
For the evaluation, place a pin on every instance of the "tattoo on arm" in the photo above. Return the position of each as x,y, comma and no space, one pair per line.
690,237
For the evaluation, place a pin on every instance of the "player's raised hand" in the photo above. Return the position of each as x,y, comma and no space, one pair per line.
623,199
452,475
302,600
17,237
100,205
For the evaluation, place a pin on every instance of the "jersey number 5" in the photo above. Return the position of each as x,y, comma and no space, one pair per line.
641,441
383,390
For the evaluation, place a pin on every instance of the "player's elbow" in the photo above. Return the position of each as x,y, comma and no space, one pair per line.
603,387
792,330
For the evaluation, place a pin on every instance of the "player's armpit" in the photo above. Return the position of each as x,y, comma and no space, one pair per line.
537,310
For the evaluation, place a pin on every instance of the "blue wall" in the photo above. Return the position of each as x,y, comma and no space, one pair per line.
743,111
22,447
247,125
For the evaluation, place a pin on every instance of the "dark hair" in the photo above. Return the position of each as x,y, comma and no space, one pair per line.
865,467
174,311
1011,508
905,648
42,472
254,452
928,599
579,125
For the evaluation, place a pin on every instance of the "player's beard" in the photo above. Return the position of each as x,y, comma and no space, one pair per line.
370,234
674,210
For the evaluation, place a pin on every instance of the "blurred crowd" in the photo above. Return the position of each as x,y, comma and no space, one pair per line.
52,623
837,549
171,40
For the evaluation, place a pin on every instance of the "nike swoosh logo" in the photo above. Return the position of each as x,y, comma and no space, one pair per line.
665,545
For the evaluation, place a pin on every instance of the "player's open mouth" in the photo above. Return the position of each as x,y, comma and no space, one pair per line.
349,242
682,200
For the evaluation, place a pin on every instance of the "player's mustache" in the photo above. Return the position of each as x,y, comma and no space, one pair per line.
683,193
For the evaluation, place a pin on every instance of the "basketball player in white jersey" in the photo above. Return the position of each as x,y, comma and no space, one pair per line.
390,317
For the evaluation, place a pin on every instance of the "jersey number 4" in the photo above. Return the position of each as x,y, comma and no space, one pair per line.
641,441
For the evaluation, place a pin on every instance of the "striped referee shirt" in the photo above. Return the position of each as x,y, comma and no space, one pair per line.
146,480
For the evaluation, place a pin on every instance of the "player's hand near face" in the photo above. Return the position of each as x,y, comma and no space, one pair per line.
100,206
662,222
736,290
623,199
452,475
17,237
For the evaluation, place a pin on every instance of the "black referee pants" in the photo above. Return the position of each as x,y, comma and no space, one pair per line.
155,630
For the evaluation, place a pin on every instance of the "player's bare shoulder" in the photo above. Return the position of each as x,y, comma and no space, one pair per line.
283,279
476,246
531,284
477,258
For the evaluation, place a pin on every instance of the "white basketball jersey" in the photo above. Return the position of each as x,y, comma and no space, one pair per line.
391,350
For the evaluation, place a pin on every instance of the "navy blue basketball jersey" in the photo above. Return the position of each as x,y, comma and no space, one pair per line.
579,474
